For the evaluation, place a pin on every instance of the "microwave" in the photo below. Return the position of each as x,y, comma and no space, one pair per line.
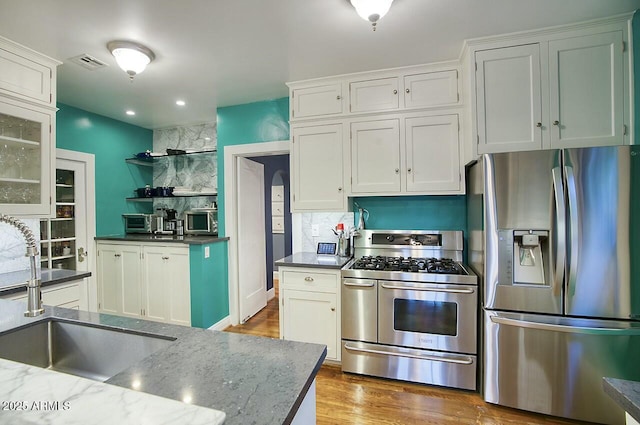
201,222
140,223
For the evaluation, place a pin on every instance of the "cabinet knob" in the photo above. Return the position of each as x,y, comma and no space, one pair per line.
333,309
407,91
308,279
338,97
408,170
397,170
556,122
339,189
538,124
395,92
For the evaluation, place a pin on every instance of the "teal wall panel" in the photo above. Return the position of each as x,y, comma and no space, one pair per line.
111,141
265,121
209,284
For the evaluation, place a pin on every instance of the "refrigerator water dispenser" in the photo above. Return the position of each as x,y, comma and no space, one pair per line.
528,261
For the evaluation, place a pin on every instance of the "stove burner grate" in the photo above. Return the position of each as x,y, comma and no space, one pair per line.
409,264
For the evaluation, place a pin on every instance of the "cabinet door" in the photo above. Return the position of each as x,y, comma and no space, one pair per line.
433,154
431,89
26,178
317,166
374,95
586,91
109,279
375,156
311,317
317,101
508,99
22,77
130,269
166,286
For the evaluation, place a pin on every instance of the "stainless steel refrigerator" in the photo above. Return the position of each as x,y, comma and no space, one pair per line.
555,238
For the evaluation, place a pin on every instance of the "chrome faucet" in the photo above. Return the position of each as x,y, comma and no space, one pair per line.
34,295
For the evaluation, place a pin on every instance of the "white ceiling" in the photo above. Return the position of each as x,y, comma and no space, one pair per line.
214,53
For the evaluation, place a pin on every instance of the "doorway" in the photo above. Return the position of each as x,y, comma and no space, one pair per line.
232,187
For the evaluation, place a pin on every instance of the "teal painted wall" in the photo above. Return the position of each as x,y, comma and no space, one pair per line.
265,121
111,141
209,284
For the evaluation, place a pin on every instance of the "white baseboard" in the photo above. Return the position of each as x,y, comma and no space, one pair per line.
221,325
271,293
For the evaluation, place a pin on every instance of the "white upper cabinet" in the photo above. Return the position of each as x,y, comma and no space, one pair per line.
586,90
316,101
317,168
508,99
375,156
431,89
374,95
433,154
27,130
563,87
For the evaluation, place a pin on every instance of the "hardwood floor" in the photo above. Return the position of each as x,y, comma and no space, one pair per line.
344,398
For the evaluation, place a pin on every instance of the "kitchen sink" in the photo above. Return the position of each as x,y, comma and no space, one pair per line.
78,349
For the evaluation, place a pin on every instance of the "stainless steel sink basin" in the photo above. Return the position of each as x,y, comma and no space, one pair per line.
78,349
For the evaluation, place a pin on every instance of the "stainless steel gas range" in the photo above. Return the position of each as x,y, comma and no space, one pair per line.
409,308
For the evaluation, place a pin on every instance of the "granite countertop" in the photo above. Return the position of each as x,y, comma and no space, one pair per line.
311,259
143,237
74,400
625,393
8,281
252,379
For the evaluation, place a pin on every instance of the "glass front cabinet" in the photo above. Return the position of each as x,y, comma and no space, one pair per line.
26,160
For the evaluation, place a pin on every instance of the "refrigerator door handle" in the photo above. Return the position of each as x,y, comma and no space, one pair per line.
574,229
622,331
561,229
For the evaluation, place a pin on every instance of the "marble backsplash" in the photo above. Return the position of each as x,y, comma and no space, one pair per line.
13,247
303,223
194,173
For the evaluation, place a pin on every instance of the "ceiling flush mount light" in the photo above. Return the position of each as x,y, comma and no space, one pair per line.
130,113
372,10
132,57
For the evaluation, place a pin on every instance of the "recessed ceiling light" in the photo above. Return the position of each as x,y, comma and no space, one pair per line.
207,138
180,102
130,112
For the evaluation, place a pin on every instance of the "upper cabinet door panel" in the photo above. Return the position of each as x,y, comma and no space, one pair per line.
433,154
374,95
508,99
375,156
586,90
431,89
317,101
26,79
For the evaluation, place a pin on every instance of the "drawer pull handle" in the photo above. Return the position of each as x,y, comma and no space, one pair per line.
165,258
308,279
116,255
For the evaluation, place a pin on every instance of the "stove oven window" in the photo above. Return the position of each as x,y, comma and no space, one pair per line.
426,317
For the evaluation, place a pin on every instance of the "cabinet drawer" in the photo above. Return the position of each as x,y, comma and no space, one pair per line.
277,224
431,89
277,194
277,209
69,294
374,95
317,101
310,281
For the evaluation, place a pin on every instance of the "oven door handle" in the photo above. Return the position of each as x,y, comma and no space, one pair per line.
362,285
429,289
443,358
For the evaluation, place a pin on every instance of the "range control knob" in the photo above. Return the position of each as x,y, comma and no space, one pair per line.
390,238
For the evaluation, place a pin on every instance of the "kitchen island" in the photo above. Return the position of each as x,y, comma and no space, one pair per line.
250,379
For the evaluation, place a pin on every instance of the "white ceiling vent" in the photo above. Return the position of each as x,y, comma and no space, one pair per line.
88,62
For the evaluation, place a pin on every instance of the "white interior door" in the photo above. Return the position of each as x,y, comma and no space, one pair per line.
74,225
252,271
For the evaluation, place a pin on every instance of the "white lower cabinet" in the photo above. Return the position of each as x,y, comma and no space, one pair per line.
148,281
310,307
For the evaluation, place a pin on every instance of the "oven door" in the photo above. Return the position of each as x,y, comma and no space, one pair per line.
428,315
